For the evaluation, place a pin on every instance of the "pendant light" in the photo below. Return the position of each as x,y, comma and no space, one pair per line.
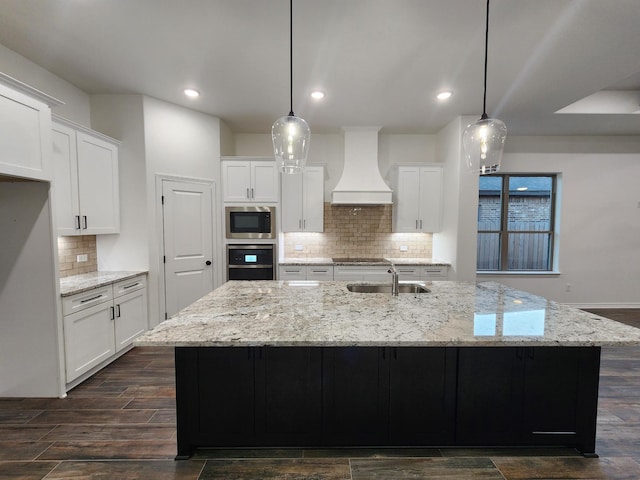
483,141
291,134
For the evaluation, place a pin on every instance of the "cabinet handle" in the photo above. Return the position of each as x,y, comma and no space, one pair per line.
420,224
395,353
252,194
118,311
304,224
77,222
84,218
90,299
131,286
248,193
113,313
300,224
416,224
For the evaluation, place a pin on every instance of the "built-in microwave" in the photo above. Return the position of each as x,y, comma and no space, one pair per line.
250,222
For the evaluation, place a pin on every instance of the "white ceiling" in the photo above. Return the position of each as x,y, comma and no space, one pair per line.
380,62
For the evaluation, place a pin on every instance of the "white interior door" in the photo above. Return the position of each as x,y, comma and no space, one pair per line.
188,242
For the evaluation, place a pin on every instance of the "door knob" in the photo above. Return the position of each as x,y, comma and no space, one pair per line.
208,262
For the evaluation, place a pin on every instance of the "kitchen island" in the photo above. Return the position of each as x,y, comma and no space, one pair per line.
304,364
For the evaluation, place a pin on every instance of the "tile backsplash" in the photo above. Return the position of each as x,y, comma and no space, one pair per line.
68,250
357,231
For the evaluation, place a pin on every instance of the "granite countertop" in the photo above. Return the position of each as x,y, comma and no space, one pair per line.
88,281
385,261
280,313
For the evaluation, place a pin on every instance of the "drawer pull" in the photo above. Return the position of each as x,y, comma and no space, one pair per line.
91,299
131,286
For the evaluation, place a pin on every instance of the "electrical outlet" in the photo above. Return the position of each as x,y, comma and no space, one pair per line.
404,248
299,248
82,258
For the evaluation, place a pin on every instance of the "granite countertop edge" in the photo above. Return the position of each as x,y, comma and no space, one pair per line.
84,282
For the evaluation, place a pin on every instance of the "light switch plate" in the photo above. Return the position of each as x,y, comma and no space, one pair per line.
299,248
82,258
404,248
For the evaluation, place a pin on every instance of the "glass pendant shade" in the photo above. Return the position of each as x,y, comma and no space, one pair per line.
291,136
483,143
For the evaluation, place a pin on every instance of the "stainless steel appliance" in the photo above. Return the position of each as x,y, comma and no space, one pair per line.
250,222
250,262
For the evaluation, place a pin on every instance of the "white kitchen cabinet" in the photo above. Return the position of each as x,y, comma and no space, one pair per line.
305,272
25,131
85,182
303,200
408,272
100,323
361,273
250,181
417,202
434,272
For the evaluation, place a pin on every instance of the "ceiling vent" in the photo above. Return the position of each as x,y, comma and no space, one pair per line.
361,182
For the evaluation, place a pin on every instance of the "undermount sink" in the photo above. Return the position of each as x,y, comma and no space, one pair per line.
402,288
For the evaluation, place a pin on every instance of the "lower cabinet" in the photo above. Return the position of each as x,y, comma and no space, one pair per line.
100,323
383,396
364,273
305,272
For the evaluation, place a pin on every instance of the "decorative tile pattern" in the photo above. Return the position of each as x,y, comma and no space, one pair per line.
68,250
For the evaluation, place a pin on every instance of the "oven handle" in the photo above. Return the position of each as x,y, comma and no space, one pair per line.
252,266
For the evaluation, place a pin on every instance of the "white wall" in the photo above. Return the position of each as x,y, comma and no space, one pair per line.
599,243
76,107
178,142
121,117
29,361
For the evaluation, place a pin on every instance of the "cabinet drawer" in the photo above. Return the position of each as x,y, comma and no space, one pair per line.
435,272
324,273
80,301
129,285
408,273
293,272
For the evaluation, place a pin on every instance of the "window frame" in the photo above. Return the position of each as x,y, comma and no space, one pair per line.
504,232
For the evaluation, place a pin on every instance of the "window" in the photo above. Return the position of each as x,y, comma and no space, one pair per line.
516,222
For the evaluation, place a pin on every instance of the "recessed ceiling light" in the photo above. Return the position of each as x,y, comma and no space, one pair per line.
190,92
317,95
444,95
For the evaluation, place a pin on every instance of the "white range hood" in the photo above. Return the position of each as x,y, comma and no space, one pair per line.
361,182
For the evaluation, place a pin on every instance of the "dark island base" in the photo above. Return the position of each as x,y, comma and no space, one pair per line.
268,397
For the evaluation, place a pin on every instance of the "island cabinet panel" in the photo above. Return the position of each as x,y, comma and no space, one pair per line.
422,396
528,396
355,395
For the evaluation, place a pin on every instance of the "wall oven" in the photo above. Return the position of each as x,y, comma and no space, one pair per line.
250,262
250,222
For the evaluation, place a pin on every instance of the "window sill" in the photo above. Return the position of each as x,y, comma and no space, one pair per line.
522,273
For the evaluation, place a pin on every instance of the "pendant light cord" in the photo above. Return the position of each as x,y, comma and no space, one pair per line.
291,114
486,51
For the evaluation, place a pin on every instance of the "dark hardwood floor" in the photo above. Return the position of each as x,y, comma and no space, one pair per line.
120,424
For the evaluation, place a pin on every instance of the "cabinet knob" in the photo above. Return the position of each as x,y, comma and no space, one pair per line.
208,262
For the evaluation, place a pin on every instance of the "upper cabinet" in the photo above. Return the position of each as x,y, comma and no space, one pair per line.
250,180
25,130
303,200
85,182
417,202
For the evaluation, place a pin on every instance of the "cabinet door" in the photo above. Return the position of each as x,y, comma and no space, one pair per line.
408,273
355,395
488,398
98,185
406,215
25,136
430,199
264,185
288,396
236,180
291,202
225,397
313,199
422,393
65,180
130,317
88,338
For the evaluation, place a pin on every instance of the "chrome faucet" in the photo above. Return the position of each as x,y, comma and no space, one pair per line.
394,280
